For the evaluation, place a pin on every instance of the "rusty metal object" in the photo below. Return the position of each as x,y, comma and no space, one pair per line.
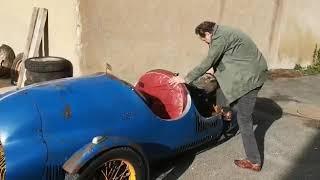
108,68
7,56
72,166
67,112
2,164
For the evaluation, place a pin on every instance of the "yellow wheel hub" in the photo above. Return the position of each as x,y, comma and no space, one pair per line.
118,169
131,170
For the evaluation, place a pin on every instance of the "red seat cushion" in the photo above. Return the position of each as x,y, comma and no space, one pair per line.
166,101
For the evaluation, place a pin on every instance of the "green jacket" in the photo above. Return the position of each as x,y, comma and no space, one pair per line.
240,66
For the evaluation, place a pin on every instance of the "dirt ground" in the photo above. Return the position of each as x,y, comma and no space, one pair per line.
283,73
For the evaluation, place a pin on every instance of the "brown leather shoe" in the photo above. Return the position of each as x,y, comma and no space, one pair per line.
246,164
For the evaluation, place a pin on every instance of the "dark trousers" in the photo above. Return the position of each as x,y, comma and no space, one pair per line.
243,108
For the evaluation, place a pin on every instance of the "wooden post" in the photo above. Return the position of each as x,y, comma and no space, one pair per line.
37,40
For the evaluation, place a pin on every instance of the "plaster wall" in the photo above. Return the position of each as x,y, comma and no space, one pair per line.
15,16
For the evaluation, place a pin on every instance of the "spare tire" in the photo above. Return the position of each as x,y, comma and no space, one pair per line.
36,77
47,64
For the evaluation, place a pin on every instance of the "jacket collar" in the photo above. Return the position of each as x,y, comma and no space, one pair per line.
215,28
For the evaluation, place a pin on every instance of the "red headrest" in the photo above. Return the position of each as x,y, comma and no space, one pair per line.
167,102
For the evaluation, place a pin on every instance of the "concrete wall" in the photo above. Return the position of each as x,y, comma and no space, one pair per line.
15,17
136,36
300,32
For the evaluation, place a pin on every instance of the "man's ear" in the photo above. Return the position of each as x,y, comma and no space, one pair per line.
207,33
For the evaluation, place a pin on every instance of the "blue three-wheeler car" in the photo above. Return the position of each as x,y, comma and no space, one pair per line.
98,127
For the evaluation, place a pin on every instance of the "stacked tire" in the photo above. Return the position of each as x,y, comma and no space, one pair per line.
40,69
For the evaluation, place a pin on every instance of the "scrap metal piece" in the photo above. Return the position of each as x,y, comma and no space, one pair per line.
2,164
67,112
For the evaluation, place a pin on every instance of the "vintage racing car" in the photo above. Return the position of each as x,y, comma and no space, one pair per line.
99,127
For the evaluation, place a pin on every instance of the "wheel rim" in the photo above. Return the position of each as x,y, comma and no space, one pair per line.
116,169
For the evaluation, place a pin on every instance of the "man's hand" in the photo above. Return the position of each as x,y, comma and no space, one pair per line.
176,80
210,71
225,112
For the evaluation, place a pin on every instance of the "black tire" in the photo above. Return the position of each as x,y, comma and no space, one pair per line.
127,154
47,64
40,77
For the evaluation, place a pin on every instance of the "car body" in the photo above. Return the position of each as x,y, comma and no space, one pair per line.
55,127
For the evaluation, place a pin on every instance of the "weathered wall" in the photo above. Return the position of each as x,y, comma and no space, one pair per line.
15,17
299,33
136,36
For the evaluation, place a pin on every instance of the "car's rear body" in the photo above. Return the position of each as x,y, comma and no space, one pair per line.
43,126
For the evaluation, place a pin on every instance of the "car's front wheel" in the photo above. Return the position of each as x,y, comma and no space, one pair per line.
120,163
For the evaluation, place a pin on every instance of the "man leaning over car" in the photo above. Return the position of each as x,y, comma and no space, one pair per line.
241,71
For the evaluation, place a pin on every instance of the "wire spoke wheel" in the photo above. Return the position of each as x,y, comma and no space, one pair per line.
116,169
121,163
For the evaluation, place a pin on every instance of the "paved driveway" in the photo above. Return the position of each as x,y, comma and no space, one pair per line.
287,127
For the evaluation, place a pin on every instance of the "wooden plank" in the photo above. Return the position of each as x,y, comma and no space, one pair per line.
31,30
37,37
28,43
38,33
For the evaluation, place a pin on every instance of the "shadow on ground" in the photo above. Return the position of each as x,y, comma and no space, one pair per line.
266,112
307,164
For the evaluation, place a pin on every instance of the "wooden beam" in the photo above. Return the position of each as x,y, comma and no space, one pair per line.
28,44
31,30
38,33
33,47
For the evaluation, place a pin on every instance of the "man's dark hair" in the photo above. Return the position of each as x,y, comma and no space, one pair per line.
206,26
